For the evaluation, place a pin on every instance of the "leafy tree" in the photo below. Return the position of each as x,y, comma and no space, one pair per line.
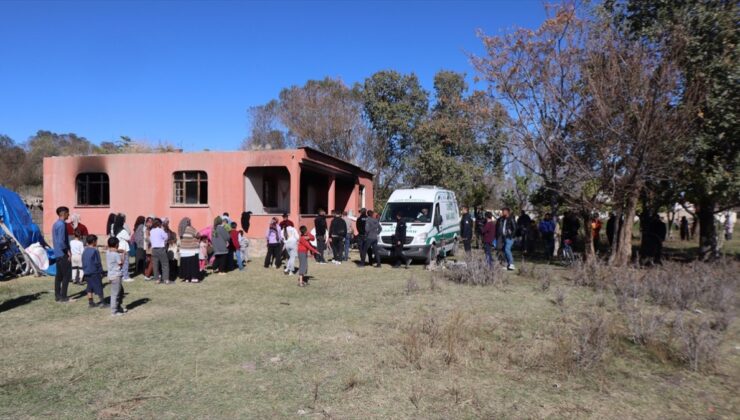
47,143
395,106
703,37
456,147
11,163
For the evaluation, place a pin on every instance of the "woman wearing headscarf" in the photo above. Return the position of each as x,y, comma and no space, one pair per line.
189,251
220,240
74,226
172,251
121,231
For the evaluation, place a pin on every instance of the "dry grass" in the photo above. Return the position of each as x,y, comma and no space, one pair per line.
367,343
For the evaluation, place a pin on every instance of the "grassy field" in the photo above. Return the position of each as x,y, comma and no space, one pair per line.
356,343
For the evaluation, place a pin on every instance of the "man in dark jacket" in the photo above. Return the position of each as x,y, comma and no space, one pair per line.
337,236
360,225
466,230
505,232
399,237
522,225
320,226
372,231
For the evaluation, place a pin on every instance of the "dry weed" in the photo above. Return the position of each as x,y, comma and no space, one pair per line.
698,344
474,272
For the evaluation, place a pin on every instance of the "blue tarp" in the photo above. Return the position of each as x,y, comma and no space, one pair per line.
17,218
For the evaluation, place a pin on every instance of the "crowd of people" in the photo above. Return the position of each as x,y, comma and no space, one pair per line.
162,255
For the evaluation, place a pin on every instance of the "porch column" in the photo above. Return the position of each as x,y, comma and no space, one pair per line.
295,193
332,199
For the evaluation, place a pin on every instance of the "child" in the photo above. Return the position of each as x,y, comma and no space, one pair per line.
76,247
244,247
114,258
203,254
93,270
304,248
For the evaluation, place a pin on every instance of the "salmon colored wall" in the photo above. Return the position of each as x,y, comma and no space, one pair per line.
141,184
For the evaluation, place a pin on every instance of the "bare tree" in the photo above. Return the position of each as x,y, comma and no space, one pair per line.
324,114
266,133
535,74
632,124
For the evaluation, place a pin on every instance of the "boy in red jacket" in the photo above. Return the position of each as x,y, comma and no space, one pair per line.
304,249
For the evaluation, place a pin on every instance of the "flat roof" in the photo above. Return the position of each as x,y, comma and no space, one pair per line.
308,149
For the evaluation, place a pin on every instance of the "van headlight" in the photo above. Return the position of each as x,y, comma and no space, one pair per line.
422,237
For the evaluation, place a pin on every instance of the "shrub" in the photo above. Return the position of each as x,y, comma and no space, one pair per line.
698,345
590,340
474,272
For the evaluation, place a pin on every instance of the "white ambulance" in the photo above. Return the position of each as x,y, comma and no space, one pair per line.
432,222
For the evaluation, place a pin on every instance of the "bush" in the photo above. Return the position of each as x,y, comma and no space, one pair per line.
676,311
590,340
475,272
698,344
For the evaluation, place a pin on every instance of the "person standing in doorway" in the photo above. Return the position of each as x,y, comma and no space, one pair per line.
320,227
62,254
466,230
399,238
505,232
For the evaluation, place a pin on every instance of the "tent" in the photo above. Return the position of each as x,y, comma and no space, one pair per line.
16,222
17,218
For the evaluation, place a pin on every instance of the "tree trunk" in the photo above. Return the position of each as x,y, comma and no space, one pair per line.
623,252
707,230
588,244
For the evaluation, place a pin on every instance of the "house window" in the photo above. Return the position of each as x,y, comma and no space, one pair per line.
269,192
190,187
93,189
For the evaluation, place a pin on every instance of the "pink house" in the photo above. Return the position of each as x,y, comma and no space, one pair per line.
203,185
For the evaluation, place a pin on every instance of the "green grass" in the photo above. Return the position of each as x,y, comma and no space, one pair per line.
254,345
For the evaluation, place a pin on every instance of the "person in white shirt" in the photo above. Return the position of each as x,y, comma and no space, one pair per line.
76,247
290,241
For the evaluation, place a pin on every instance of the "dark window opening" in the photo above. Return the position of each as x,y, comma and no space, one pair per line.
269,192
93,189
190,187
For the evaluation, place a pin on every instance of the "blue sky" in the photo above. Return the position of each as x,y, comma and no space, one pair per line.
186,72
